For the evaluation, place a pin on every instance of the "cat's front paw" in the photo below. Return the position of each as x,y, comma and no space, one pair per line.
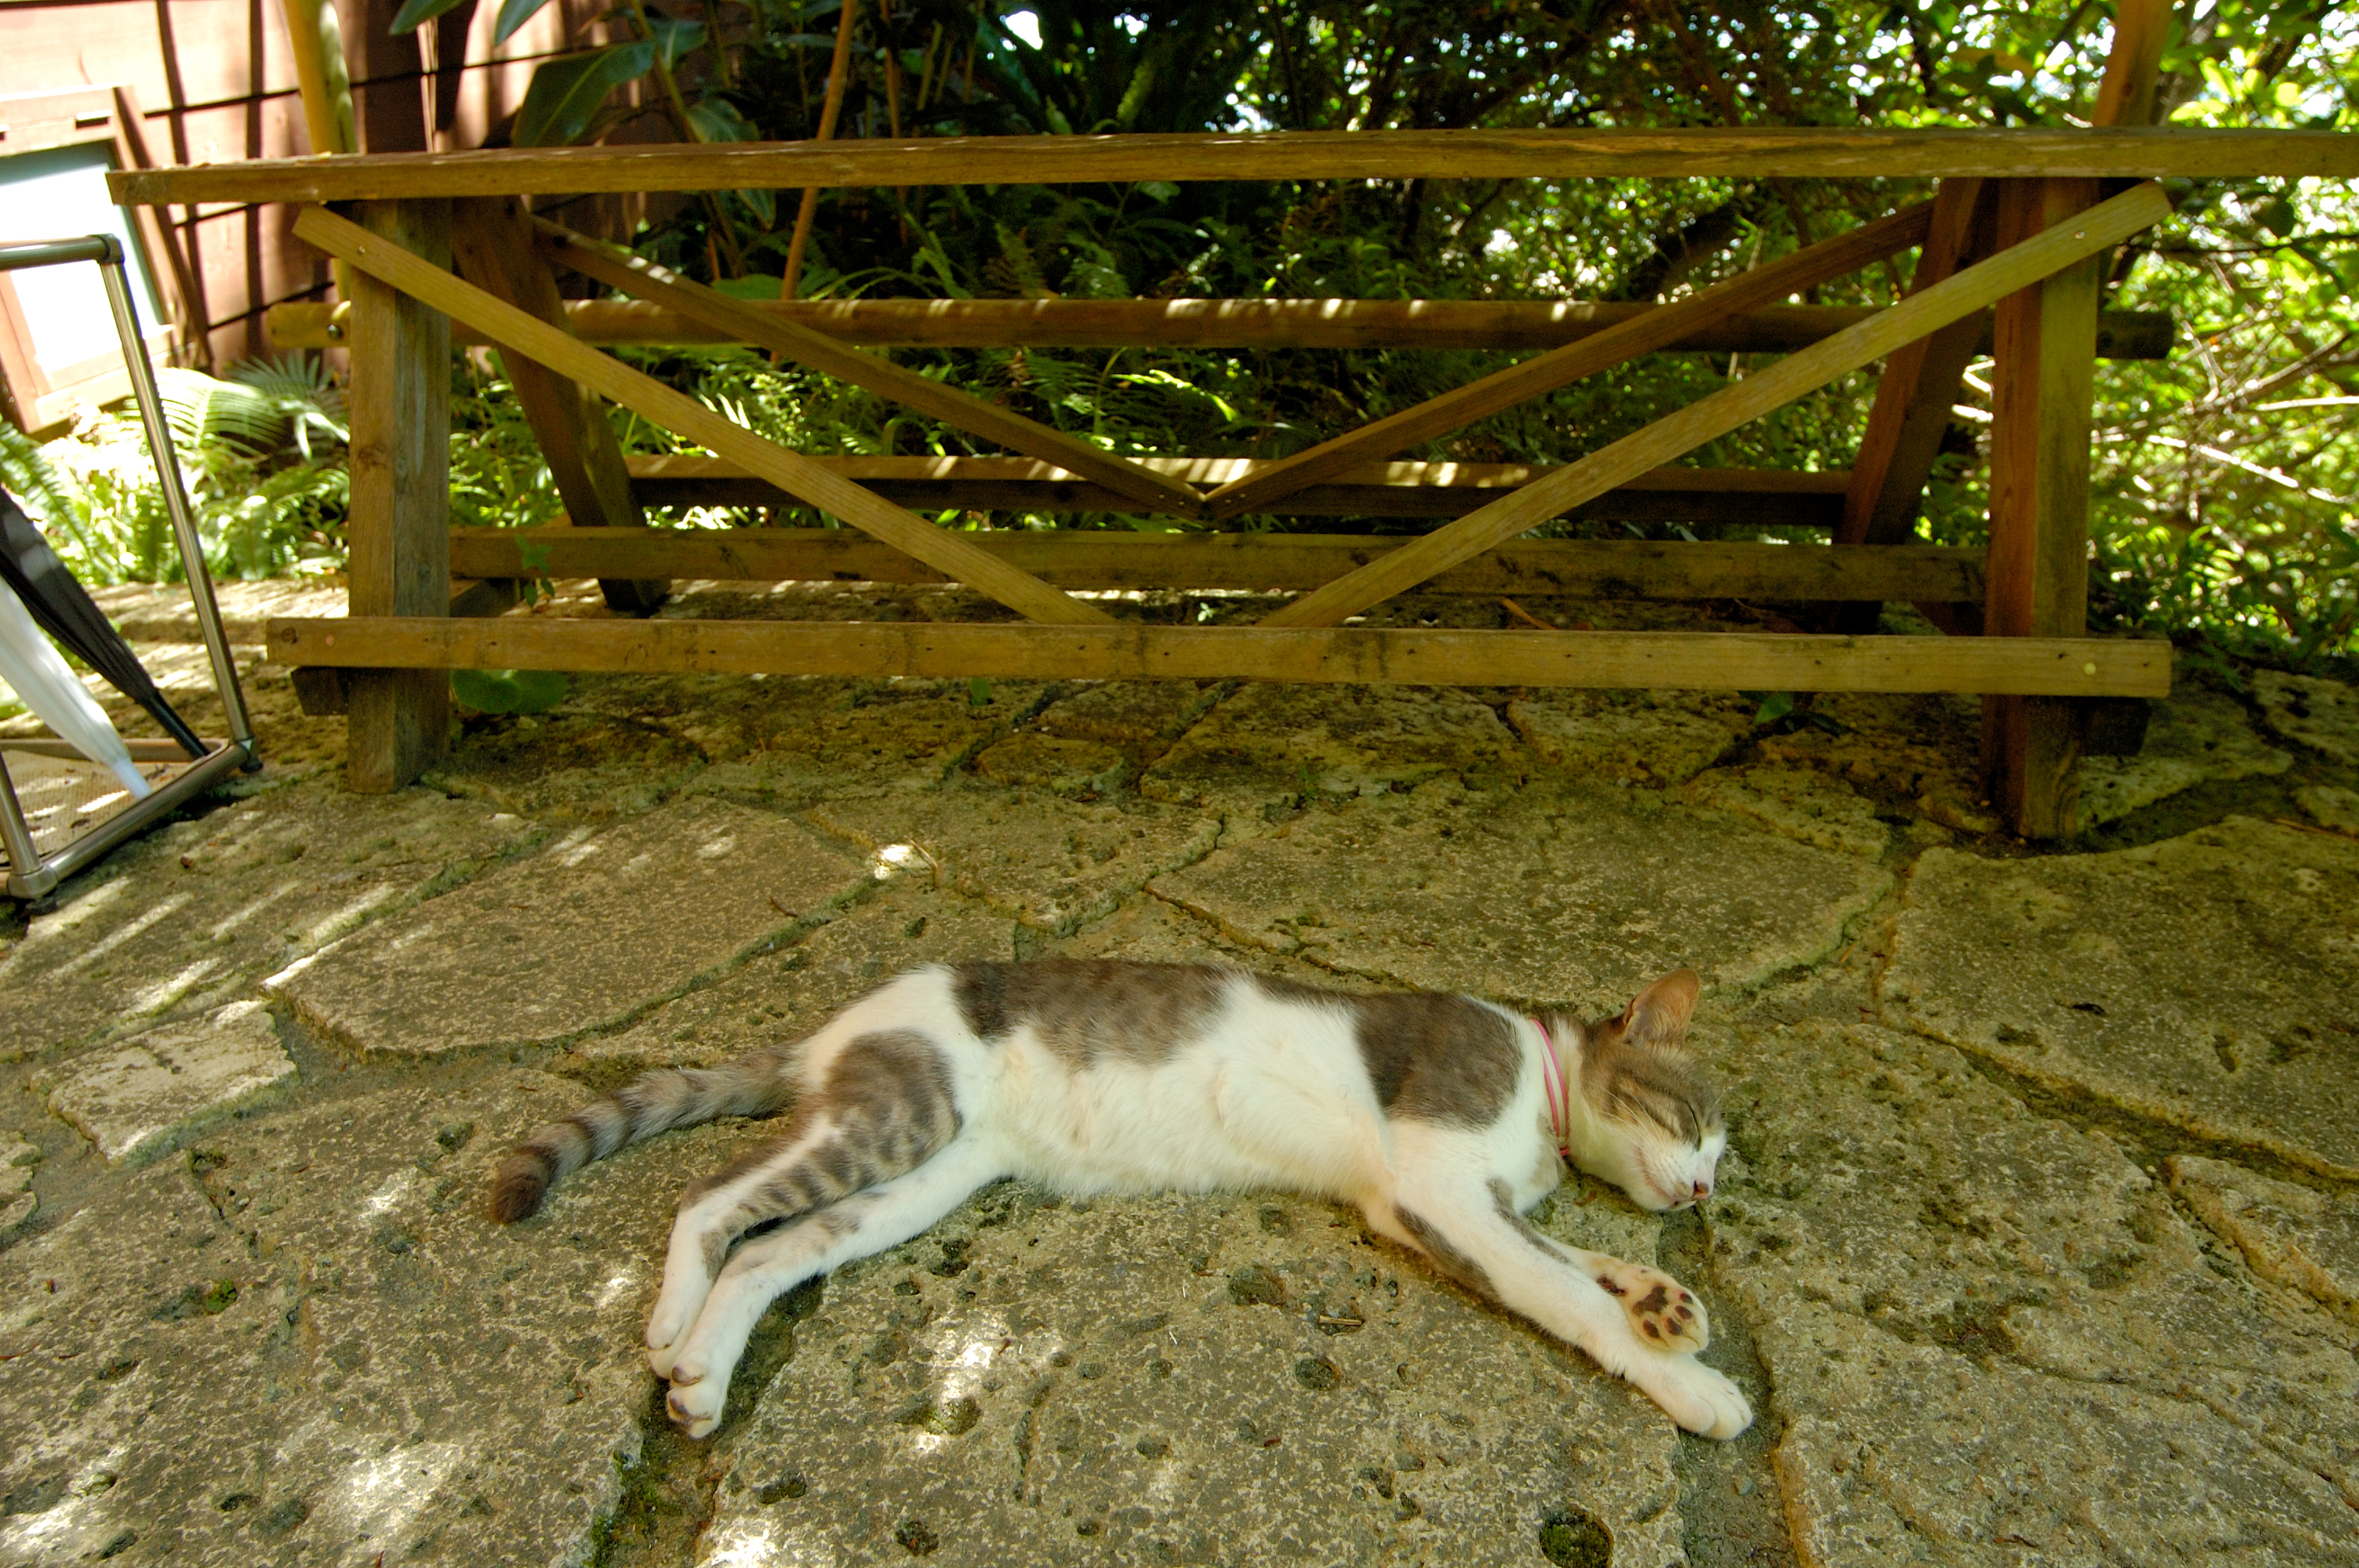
695,1408
1700,1398
1662,1312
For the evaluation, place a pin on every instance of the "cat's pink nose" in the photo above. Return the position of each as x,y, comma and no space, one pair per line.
1703,1191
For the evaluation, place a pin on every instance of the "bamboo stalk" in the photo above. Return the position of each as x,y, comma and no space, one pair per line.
839,67
315,37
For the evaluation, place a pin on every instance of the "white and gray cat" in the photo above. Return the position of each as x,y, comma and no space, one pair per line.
1441,1117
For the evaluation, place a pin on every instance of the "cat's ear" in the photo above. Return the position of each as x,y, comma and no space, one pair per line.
1659,1015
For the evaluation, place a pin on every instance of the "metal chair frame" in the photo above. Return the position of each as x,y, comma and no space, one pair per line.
31,875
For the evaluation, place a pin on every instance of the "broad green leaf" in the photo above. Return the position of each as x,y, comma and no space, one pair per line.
508,691
673,37
514,14
759,287
414,12
719,120
566,92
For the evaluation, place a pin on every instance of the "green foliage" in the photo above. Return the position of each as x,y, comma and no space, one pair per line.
508,691
2224,479
261,456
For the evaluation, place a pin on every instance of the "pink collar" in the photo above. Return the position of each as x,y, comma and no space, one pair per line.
1559,1091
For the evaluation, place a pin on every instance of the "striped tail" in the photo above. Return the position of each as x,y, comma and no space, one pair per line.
757,1083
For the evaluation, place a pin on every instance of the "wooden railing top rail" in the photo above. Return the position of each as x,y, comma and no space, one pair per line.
1793,151
1514,324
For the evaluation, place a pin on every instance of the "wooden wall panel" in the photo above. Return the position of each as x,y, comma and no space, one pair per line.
214,82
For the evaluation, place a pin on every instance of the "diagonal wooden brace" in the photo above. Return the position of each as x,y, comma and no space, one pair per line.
1794,376
957,558
1644,334
816,351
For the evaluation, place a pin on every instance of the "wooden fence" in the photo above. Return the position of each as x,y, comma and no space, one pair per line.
2009,252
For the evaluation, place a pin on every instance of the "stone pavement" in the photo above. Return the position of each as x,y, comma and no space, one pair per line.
2036,1242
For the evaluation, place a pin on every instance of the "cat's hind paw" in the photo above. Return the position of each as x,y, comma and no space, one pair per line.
695,1408
1664,1313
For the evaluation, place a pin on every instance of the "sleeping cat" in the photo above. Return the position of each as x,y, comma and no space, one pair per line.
1442,1117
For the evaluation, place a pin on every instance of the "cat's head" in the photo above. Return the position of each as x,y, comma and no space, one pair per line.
1645,1118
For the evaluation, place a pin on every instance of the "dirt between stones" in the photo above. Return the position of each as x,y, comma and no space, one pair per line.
2033,1240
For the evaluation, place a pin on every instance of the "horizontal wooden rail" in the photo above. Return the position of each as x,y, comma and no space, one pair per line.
1586,568
1213,324
551,346
1703,660
1836,256
618,268
1767,498
1799,152
1667,439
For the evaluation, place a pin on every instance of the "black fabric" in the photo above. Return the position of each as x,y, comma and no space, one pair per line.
65,611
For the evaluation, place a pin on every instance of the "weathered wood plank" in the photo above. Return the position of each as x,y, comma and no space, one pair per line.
1723,411
492,247
1612,568
1715,661
1507,324
397,522
1795,152
618,268
514,329
1760,497
1806,268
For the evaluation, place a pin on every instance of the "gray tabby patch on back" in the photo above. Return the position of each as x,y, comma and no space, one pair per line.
1085,1007
1434,1057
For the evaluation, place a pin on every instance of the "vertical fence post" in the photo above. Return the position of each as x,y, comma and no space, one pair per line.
2042,387
398,721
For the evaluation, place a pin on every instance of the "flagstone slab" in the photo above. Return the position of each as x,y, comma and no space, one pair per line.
2320,714
601,921
2194,736
190,916
784,995
307,1342
792,739
1637,737
17,1199
1271,742
1803,803
1919,752
1993,1337
1052,864
1559,894
1054,762
2205,981
160,1088
1129,713
1234,1380
2304,1239
2330,806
